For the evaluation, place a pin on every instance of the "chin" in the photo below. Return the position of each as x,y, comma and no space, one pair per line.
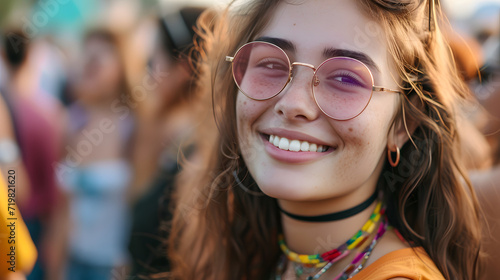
286,182
297,191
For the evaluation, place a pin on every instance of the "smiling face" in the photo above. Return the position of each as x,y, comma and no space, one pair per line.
101,74
292,149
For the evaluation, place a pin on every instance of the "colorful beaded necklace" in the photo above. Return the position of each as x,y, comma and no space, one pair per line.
327,259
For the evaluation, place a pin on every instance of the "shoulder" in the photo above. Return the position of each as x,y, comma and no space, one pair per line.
390,242
408,263
396,261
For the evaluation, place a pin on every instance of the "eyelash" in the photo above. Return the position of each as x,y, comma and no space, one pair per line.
350,75
268,61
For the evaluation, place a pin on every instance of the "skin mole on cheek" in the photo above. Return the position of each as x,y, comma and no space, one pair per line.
350,129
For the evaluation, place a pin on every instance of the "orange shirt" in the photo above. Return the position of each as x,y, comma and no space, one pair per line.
17,251
409,263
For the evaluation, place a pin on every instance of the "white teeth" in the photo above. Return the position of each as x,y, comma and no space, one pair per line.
304,146
313,147
276,141
284,143
295,145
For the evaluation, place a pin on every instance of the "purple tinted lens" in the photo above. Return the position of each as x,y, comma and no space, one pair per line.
261,70
344,89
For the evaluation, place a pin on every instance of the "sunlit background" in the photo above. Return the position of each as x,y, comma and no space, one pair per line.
70,17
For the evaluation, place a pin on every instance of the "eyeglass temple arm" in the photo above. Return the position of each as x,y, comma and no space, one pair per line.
229,58
385,89
431,15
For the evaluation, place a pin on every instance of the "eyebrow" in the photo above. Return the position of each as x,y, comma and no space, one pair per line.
332,52
282,43
287,45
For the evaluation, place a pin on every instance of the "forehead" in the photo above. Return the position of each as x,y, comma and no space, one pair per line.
313,25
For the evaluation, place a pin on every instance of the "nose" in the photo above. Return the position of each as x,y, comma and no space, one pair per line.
296,101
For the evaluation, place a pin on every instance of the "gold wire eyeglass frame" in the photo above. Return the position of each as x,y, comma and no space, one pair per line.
315,81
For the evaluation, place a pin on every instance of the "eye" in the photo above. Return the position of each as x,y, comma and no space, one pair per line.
346,78
273,64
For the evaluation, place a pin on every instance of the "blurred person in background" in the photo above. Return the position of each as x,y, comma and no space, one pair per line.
169,117
26,254
468,57
485,23
96,170
38,134
10,154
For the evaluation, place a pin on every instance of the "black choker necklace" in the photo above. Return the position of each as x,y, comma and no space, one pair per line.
334,216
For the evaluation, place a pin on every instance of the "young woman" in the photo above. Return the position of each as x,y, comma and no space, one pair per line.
97,167
161,133
338,153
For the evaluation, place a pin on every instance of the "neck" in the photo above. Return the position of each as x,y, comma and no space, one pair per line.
21,81
323,236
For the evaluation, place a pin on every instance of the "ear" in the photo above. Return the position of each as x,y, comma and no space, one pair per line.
402,127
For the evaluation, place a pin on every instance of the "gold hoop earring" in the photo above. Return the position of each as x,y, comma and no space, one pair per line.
389,156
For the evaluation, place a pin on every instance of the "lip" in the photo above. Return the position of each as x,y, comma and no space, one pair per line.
293,157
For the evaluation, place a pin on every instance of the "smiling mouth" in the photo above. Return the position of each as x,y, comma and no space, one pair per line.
286,144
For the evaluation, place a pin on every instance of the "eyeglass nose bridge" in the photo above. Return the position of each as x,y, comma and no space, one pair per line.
315,78
304,64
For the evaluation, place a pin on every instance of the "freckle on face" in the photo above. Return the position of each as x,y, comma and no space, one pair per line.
350,129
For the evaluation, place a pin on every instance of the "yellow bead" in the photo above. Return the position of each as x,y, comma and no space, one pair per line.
304,259
367,226
283,247
372,227
353,244
321,264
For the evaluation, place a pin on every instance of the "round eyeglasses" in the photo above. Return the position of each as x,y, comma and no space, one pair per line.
342,86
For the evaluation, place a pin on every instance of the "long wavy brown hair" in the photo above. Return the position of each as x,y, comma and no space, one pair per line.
225,229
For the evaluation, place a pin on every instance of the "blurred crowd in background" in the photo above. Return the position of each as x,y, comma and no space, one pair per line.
100,98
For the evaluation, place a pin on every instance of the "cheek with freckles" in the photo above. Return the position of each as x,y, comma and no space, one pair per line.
247,112
261,88
363,145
